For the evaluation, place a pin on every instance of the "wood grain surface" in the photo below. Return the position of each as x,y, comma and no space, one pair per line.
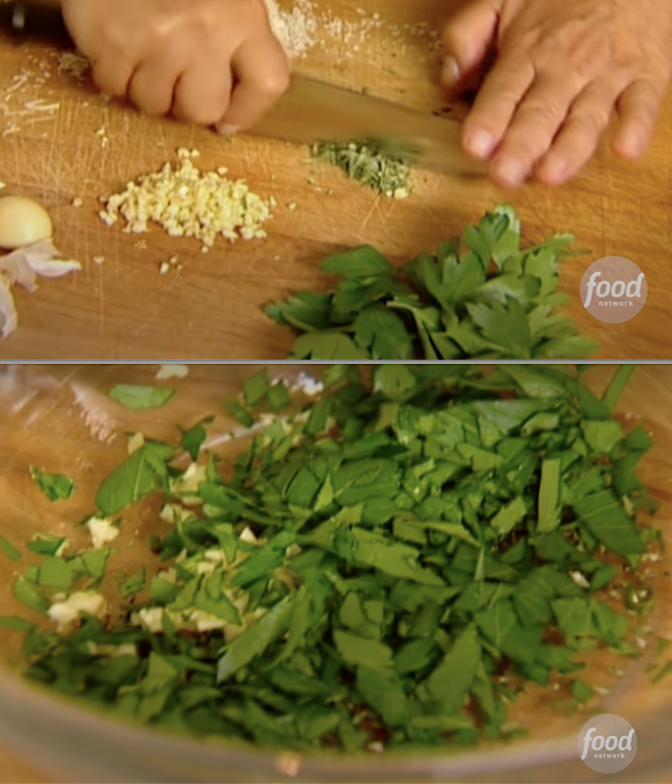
14,770
211,308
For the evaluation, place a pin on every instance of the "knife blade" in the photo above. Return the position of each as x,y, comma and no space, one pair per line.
312,110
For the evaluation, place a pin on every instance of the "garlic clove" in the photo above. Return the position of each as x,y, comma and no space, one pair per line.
22,222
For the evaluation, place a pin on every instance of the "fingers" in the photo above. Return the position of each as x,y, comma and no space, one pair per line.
532,128
112,75
495,105
579,137
638,108
467,38
262,72
153,83
202,92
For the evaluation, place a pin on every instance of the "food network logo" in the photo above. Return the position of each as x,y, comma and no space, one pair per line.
613,289
607,743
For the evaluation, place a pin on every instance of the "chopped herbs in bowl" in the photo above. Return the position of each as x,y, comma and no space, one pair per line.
392,562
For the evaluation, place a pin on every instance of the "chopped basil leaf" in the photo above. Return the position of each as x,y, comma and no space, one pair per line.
617,385
9,550
192,440
256,387
134,584
549,496
46,544
15,624
55,573
57,487
25,593
138,476
241,414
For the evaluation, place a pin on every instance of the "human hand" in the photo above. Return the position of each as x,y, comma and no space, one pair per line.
211,62
562,67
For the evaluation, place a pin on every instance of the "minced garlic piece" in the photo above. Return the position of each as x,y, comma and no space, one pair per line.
171,513
187,485
186,202
206,622
102,531
150,618
172,371
248,536
135,442
65,611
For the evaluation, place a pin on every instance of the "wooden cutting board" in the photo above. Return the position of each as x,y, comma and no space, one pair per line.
210,306
15,771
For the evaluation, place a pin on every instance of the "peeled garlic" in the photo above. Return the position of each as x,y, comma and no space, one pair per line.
22,222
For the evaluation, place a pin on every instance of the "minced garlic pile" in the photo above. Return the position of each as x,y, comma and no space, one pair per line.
186,202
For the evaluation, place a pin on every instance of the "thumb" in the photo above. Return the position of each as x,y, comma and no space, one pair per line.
467,39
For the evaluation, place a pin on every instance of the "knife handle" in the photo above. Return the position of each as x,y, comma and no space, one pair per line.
20,10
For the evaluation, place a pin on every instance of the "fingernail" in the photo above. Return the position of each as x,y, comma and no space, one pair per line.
511,172
480,143
631,144
228,130
451,71
554,170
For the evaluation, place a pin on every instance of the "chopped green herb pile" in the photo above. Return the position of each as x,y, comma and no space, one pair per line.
370,163
386,564
57,487
139,396
491,300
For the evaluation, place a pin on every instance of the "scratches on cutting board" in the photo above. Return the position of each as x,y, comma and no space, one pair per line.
151,313
374,210
101,300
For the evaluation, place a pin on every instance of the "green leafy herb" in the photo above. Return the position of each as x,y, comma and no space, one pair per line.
57,487
370,162
484,297
256,387
255,640
9,550
15,624
549,496
46,544
134,584
581,691
370,563
140,397
55,573
617,385
25,593
193,439
240,413
138,476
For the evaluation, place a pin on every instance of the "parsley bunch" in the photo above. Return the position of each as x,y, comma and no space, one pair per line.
489,301
384,565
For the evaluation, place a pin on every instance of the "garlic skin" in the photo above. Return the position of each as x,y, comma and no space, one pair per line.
22,267
22,222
